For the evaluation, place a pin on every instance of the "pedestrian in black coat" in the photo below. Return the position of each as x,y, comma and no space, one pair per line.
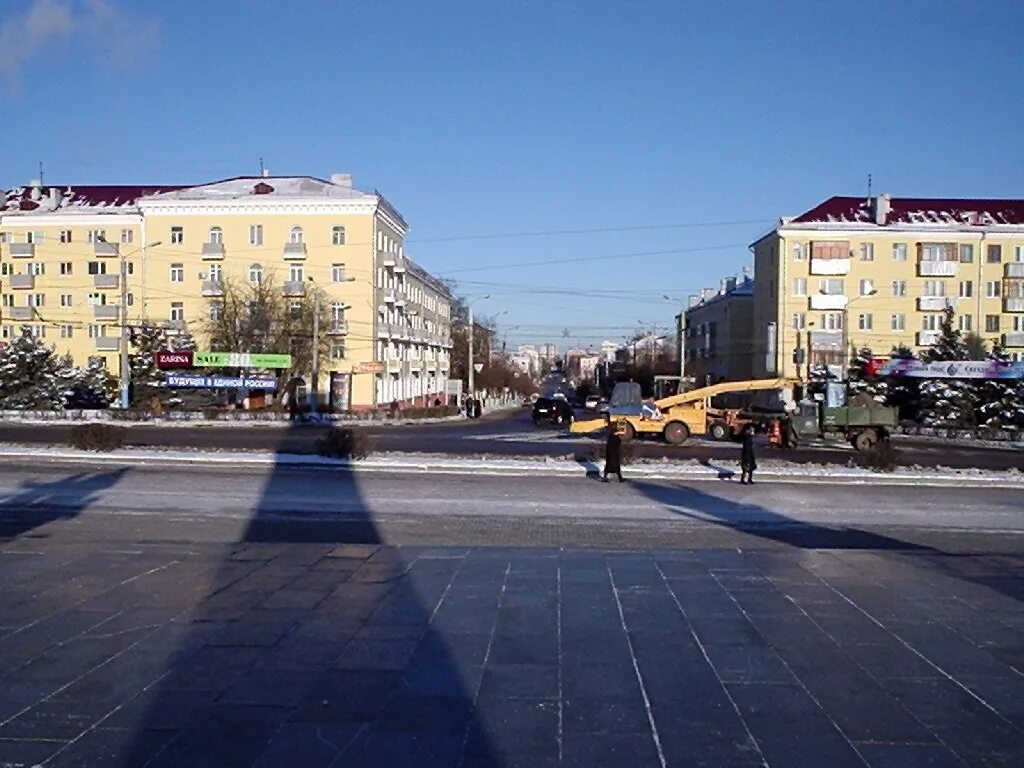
747,461
613,454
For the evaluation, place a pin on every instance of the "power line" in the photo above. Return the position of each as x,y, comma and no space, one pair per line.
589,231
639,254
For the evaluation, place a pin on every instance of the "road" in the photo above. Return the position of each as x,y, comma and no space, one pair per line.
510,433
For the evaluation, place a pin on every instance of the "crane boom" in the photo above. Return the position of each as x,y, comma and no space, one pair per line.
721,388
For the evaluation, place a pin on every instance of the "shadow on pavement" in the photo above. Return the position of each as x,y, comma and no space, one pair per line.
307,643
37,504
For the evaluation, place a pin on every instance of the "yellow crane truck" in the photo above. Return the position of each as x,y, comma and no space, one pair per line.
675,418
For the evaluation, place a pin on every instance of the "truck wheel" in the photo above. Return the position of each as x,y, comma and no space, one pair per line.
719,431
628,433
676,433
863,441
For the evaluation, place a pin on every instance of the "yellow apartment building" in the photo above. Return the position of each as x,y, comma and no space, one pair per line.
878,272
62,247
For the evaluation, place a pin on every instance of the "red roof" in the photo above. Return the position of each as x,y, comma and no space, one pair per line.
916,210
115,195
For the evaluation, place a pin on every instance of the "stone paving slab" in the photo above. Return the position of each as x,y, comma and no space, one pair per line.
144,653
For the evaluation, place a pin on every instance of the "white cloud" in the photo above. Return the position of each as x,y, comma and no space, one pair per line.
107,32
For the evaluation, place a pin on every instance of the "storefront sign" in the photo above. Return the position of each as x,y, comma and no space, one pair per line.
241,360
953,369
368,368
219,382
167,359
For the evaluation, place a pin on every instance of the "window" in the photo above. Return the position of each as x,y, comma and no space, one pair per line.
991,323
36,268
97,299
216,235
216,273
6,268
930,322
338,235
965,323
129,299
66,268
177,235
898,322
36,300
296,273
337,312
177,312
799,286
296,236
933,288
867,287
832,286
295,309
255,234
966,254
832,321
65,235
127,236
255,273
66,332
65,300
899,251
865,321
34,237
337,273
97,236
8,300
798,252
337,350
1018,253
216,310
97,268
129,267
966,289
994,253
867,252
1018,323
177,273
95,331
992,289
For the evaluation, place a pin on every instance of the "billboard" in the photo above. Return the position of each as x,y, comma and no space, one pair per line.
240,360
168,359
952,369
193,381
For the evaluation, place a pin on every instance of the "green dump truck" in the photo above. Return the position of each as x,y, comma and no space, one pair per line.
863,425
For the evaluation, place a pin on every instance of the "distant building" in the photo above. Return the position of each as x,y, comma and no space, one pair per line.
548,352
608,351
718,333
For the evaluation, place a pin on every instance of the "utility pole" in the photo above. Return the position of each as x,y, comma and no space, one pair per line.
469,364
314,389
123,314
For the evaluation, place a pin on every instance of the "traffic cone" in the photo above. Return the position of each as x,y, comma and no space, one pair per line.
775,434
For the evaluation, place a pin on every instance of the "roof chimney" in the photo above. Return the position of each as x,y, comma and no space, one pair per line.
342,180
747,271
722,287
709,293
265,173
55,197
730,284
882,205
693,300
35,192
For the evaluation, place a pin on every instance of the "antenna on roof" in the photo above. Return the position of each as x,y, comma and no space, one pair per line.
263,171
40,173
869,185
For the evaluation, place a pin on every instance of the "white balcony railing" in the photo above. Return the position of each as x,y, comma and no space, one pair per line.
935,303
1014,339
1013,269
23,281
828,301
294,288
825,339
108,343
23,250
927,338
830,266
105,312
337,328
213,250
213,287
1013,304
107,282
295,250
20,313
937,268
104,250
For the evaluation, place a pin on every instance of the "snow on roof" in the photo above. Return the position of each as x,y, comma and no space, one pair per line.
916,210
428,279
115,197
270,186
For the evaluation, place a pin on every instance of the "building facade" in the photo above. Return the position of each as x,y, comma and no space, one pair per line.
718,333
63,249
879,272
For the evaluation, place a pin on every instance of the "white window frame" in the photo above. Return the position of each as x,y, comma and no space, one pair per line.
216,236
338,273
255,273
65,236
867,251
67,300
867,287
964,323
898,322
998,324
296,235
127,236
178,311
67,268
799,286
296,273
798,252
338,234
177,272
899,251
965,253
255,234
865,321
177,235
966,289
993,289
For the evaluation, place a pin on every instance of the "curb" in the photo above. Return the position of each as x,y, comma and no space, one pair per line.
398,463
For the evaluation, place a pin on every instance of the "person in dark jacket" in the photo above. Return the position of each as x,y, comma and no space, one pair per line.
613,454
747,461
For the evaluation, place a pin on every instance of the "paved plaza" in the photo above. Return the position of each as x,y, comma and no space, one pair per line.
133,652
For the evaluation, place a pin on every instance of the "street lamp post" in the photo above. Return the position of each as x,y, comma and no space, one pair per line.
469,365
125,383
681,330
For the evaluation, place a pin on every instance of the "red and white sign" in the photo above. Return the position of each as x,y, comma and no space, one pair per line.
165,359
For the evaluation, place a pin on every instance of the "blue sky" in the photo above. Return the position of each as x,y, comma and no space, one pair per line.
687,127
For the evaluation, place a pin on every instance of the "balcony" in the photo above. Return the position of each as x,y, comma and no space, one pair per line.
830,266
400,298
213,287
104,312
23,250
389,261
825,339
337,328
213,250
106,281
176,325
21,313
927,338
108,343
1014,269
104,250
935,303
1010,304
1015,339
389,296
295,250
828,301
22,282
937,268
294,288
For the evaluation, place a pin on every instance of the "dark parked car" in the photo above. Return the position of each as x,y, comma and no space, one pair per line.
552,411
